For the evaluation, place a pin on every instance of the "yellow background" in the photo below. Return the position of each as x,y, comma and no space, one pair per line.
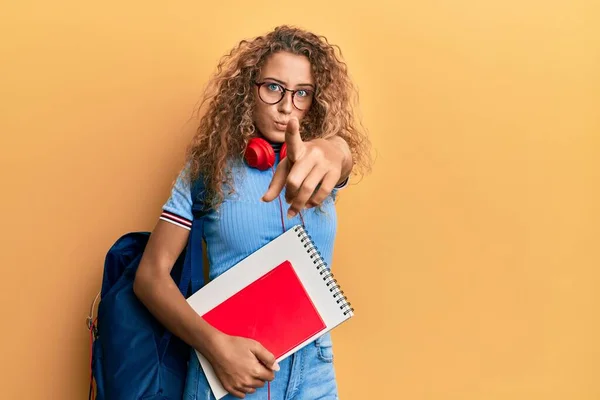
470,253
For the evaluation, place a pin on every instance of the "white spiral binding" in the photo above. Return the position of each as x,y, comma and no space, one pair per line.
326,273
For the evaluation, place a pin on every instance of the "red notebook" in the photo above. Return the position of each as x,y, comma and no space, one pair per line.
275,310
282,295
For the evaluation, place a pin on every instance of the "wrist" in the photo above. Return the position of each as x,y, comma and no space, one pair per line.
346,157
207,338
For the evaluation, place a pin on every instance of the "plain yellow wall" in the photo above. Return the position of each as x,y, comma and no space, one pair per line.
470,253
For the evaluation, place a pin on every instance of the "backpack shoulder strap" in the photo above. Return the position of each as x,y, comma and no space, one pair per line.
193,269
199,210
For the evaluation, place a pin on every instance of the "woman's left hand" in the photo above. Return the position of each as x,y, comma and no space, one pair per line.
310,170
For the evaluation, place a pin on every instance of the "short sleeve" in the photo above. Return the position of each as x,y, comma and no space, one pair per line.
178,208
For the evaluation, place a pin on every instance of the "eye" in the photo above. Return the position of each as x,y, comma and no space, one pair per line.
273,87
302,93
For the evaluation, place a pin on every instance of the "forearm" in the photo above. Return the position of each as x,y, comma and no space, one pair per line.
163,299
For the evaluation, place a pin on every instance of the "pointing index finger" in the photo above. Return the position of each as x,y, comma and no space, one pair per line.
294,143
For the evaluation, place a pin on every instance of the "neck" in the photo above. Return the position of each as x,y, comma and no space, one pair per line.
276,145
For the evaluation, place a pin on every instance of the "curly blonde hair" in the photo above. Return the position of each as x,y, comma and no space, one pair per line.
227,125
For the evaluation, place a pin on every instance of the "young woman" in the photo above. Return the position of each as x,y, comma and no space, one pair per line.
288,88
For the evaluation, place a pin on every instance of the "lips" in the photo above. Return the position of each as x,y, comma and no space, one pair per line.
280,125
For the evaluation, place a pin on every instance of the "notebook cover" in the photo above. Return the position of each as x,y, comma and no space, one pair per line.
274,310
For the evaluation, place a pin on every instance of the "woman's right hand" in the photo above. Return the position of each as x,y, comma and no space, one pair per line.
241,364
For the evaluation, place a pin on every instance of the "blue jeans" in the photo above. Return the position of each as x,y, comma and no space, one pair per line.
307,374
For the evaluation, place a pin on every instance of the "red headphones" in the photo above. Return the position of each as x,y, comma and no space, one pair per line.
260,154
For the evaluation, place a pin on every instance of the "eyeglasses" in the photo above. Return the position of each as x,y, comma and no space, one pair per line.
272,93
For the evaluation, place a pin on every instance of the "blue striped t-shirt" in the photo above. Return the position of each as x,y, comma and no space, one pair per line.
243,223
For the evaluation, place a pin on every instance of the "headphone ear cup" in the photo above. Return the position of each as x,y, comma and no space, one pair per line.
259,154
283,151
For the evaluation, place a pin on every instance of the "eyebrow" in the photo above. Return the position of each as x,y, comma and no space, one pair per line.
284,83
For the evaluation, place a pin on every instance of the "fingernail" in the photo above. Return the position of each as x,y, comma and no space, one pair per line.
275,366
291,214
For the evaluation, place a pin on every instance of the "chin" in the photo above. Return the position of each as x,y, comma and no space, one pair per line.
275,136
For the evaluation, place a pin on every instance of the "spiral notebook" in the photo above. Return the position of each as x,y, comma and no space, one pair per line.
283,295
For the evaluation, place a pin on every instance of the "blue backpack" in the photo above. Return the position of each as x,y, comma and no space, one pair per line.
133,356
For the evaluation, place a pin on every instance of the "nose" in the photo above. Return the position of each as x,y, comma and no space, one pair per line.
285,106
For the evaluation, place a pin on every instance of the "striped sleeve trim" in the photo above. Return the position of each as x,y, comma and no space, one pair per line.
176,219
